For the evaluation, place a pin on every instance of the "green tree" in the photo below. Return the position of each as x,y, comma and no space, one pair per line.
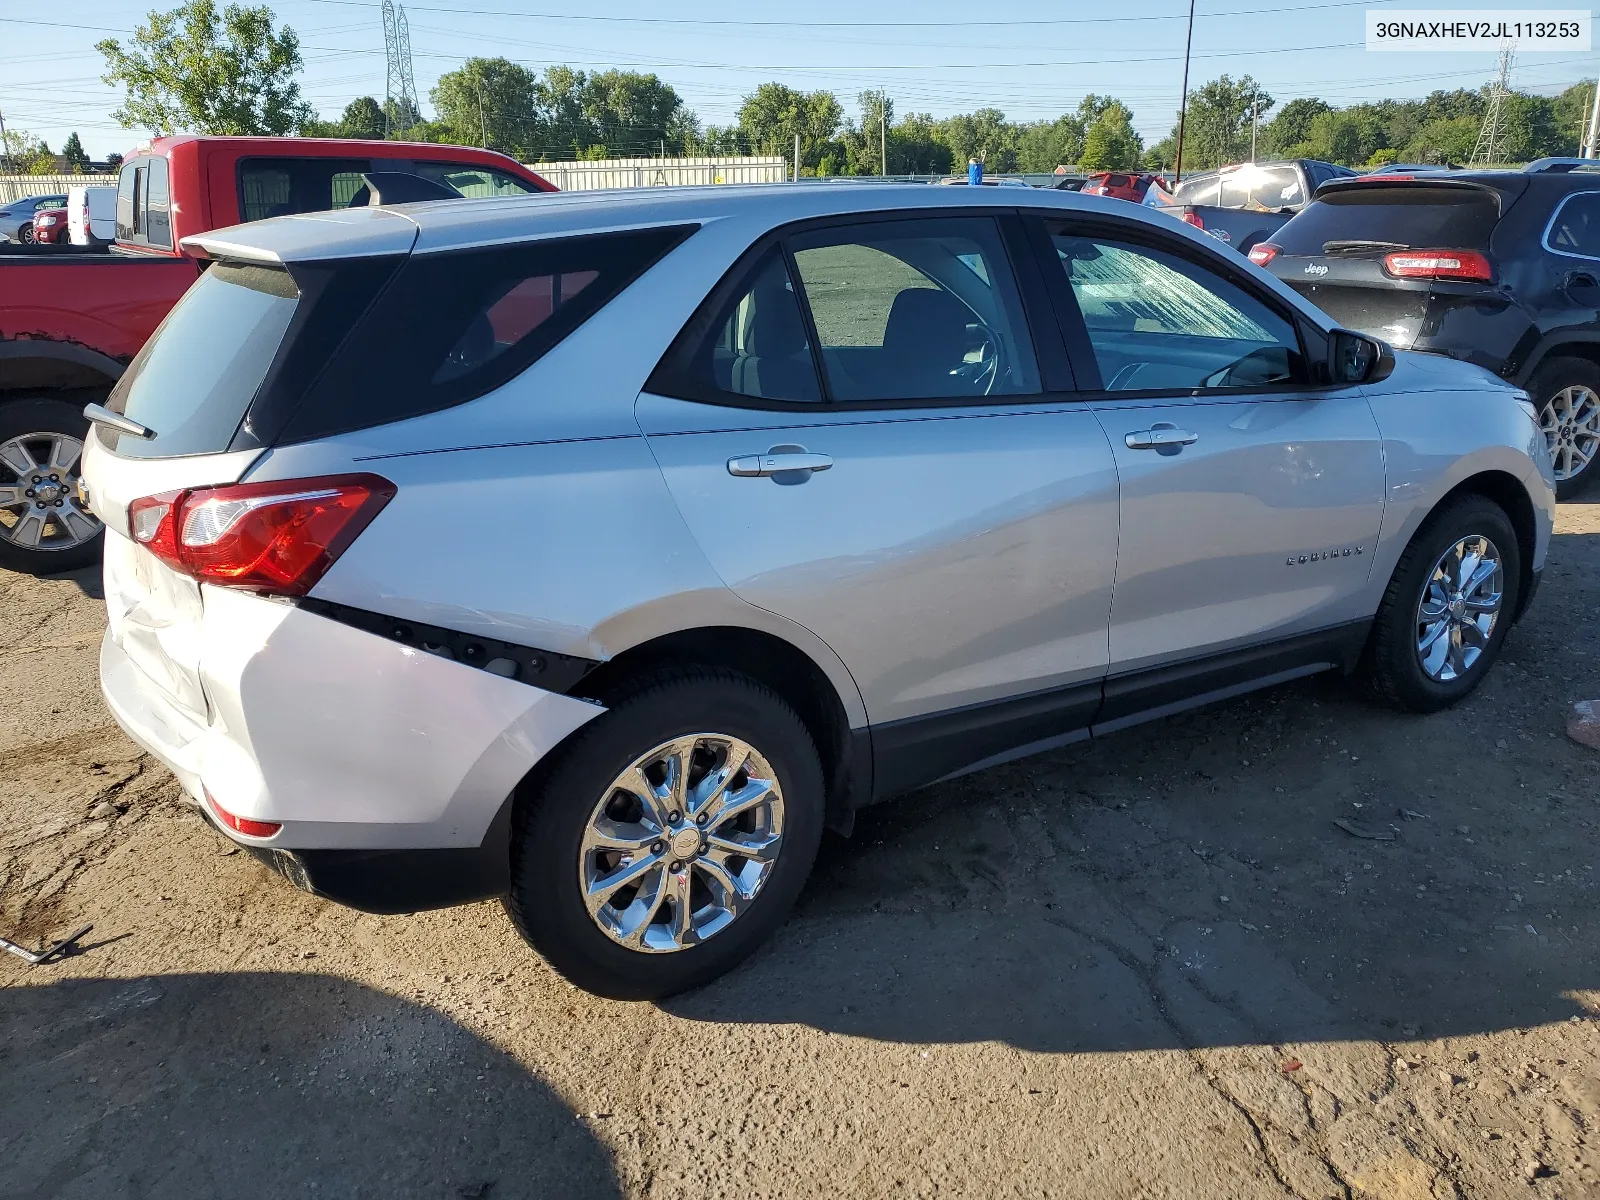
491,102
1445,140
1571,109
1046,145
1292,125
983,135
1110,144
72,151
915,148
772,114
114,161
362,118
1217,130
634,114
190,71
1348,136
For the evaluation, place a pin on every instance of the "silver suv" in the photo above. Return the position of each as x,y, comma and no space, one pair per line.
599,551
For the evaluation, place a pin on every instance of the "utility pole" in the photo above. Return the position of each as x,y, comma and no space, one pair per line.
1591,142
1183,108
883,136
797,157
1255,126
483,129
5,146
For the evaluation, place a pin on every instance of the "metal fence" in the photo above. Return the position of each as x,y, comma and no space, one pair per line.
15,187
662,172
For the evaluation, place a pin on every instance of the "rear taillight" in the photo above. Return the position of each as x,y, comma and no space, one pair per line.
1190,217
244,825
269,537
1438,264
1264,252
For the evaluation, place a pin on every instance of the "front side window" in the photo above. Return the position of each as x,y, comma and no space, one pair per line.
922,308
1157,321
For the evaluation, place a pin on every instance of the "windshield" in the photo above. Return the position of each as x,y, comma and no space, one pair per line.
1401,216
197,374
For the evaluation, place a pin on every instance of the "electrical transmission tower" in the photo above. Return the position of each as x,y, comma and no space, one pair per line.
1492,137
400,92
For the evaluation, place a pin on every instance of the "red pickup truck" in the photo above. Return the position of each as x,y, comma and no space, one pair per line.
70,322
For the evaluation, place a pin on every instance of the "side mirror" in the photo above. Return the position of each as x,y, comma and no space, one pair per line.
1356,358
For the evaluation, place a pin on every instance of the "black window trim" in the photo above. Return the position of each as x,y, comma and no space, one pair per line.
1544,238
1075,330
672,378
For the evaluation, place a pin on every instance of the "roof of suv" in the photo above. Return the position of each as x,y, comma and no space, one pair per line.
458,224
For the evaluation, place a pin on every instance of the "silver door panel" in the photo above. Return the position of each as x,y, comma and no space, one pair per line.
949,556
1213,532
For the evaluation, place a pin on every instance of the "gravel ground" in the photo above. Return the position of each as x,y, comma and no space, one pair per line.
1148,967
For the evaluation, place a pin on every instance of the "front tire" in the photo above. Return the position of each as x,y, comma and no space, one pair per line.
1448,607
25,234
670,838
43,528
1567,393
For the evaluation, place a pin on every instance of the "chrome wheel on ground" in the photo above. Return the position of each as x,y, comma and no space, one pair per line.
1460,607
25,234
39,505
681,842
1570,420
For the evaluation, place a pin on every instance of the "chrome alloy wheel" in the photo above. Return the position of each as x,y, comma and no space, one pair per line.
681,842
1460,605
1571,424
39,505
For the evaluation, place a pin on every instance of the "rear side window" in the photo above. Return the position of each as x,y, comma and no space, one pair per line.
1269,188
1575,228
758,346
451,326
275,187
1378,218
199,371
473,181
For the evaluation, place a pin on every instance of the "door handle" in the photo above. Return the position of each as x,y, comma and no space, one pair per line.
1160,437
1579,279
777,462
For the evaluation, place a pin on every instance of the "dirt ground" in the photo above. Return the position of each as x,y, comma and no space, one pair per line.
1148,967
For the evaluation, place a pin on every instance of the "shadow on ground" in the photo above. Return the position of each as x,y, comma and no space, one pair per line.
166,1086
1184,884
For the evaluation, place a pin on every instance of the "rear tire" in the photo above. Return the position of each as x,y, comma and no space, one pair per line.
1422,597
25,234
42,540
1567,393
634,946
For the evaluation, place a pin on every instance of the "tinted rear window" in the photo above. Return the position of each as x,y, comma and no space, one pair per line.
276,187
1453,218
198,373
452,326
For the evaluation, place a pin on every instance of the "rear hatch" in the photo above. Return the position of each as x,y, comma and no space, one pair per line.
1388,256
191,386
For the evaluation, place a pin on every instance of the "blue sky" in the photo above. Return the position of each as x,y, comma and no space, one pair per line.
1028,58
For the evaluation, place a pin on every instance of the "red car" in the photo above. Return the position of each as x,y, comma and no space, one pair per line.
1124,185
50,227
70,322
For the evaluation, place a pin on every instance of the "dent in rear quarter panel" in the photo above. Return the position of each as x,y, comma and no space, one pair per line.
573,547
1439,430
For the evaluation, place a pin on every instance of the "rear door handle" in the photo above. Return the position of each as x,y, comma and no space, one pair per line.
1579,279
1159,437
777,463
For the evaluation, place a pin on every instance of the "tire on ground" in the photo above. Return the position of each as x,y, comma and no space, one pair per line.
1554,376
1394,669
545,901
43,415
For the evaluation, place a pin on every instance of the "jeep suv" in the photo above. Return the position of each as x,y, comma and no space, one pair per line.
1498,268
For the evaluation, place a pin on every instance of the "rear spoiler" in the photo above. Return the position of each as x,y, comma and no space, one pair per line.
1359,183
1561,165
